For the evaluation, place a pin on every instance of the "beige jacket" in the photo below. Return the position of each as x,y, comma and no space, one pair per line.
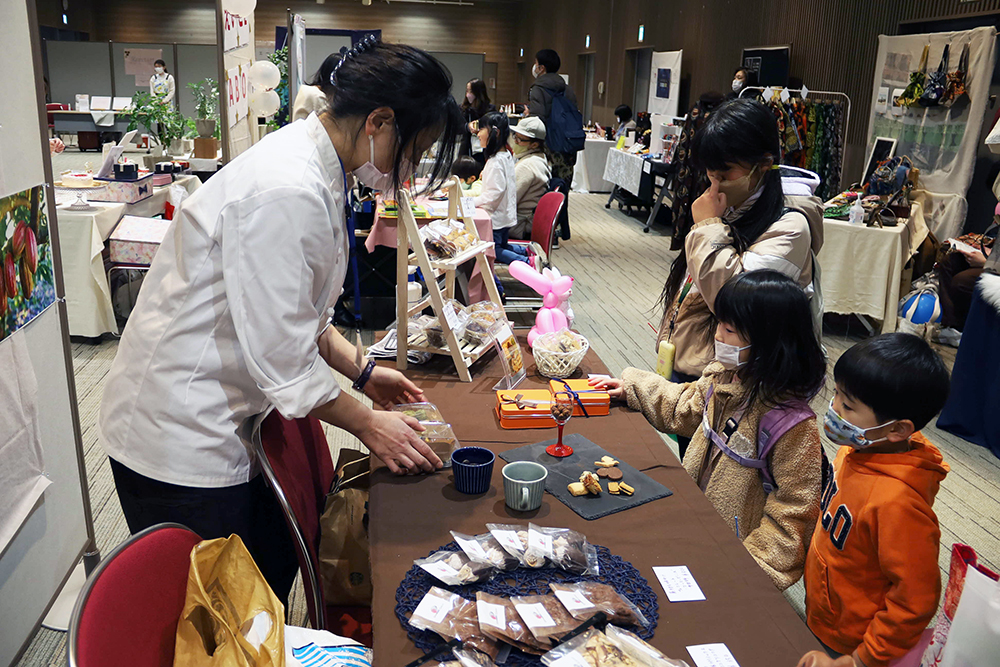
531,175
788,246
776,528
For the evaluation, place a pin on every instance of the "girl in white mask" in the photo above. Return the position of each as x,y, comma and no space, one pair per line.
739,82
162,84
755,448
475,105
235,320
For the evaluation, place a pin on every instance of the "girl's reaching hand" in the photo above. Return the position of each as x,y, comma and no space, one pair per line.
611,385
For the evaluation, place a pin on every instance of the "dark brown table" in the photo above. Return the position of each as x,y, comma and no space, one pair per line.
410,516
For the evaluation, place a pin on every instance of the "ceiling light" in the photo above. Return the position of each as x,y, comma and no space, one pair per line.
587,44
642,32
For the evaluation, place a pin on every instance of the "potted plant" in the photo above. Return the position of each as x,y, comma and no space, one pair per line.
206,99
164,123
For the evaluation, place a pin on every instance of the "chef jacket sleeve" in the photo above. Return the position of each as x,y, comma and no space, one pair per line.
279,255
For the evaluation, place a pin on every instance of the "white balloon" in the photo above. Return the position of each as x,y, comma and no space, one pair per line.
264,102
242,8
264,75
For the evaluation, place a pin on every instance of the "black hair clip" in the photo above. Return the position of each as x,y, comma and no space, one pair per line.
363,45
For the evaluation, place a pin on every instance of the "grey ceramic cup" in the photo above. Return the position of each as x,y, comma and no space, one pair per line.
523,485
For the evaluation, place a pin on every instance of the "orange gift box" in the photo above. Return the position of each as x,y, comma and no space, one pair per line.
530,408
598,403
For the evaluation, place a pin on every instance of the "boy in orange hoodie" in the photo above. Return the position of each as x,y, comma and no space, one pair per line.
871,574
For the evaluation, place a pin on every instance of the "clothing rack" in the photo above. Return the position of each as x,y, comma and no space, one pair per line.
827,95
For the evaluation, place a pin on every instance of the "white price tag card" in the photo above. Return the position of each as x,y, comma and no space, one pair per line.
534,615
573,659
540,542
433,608
805,91
451,316
439,570
712,655
678,583
491,614
468,208
509,540
471,547
785,95
573,600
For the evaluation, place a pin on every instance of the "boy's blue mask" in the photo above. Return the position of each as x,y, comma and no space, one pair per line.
844,433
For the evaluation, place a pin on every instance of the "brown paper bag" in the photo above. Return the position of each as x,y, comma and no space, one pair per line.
225,594
343,543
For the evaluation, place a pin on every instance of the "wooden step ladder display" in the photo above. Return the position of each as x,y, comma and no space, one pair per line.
463,353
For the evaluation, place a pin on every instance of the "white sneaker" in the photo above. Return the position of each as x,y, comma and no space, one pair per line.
949,336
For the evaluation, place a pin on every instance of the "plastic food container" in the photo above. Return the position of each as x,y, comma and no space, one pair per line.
425,413
441,440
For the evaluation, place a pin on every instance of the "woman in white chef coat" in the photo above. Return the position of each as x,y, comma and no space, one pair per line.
234,318
162,84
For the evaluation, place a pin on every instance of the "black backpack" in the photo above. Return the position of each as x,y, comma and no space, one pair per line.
564,127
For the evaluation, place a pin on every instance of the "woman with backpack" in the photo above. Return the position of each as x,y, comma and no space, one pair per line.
755,448
744,221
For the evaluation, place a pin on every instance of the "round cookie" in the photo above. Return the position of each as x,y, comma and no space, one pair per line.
614,474
603,473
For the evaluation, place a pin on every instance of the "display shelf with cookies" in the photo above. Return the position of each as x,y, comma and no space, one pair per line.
463,352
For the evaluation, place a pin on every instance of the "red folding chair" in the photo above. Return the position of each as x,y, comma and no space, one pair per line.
52,106
297,465
520,297
127,614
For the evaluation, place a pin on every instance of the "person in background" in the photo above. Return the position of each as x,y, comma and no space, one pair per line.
499,196
623,114
872,576
958,270
468,170
740,81
162,84
310,97
531,172
767,358
549,83
475,105
742,222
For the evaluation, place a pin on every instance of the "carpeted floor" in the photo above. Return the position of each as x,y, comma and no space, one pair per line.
619,273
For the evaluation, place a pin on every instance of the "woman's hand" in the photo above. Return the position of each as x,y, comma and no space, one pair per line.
974,257
387,387
56,145
614,386
712,204
392,438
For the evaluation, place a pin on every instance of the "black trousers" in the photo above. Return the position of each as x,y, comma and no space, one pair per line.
249,510
682,442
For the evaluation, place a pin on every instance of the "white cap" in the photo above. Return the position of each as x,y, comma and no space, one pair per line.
531,127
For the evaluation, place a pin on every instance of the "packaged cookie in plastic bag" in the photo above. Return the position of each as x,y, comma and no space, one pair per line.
586,598
465,657
514,539
589,649
454,568
465,626
644,653
485,549
499,619
453,617
545,616
566,549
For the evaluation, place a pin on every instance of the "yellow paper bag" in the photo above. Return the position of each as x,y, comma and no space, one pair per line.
231,617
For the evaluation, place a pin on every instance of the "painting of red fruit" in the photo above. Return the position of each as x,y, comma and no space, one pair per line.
26,274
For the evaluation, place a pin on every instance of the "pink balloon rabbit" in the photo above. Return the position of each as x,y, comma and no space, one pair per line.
553,289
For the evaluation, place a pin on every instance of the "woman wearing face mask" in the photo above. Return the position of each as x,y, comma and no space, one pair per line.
742,222
740,81
161,84
475,105
768,365
234,320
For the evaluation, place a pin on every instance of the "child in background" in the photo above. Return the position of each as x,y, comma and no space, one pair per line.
468,171
872,577
499,195
763,477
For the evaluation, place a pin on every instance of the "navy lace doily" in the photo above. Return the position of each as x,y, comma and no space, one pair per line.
615,571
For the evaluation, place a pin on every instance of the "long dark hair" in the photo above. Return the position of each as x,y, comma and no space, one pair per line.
413,84
482,103
771,312
499,127
322,76
740,132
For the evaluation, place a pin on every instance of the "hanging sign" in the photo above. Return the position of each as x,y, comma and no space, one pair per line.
139,63
236,94
236,31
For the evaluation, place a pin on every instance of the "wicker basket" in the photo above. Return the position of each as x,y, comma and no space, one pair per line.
558,364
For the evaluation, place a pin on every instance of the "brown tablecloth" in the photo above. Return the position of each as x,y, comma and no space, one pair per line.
410,516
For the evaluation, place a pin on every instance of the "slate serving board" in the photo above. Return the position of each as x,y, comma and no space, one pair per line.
566,470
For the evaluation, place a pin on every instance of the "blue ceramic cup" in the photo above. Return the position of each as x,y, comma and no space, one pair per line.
473,468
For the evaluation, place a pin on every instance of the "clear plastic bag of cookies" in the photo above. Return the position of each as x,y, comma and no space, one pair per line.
454,568
466,657
545,616
513,538
643,652
584,599
589,649
566,549
436,610
485,549
499,619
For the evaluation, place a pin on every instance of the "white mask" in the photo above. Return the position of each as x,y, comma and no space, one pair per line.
158,70
737,85
368,174
535,71
729,355
471,98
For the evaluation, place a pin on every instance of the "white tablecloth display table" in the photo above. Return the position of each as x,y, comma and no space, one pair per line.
625,170
862,266
81,239
588,174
